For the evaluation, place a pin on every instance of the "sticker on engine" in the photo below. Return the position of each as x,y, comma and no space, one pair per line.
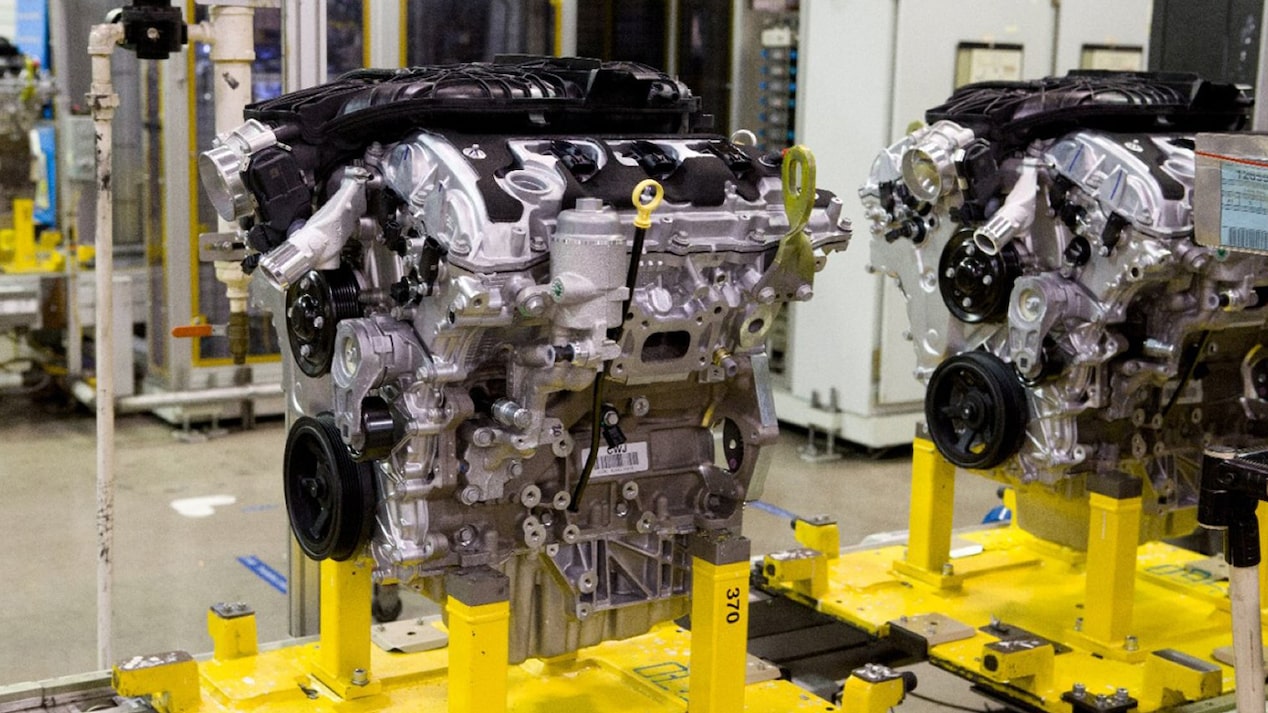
625,458
1244,206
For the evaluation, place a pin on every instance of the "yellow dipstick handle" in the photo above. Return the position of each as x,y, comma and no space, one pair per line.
798,174
644,218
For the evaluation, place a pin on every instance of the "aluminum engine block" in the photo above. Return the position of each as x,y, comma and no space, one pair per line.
1070,331
453,244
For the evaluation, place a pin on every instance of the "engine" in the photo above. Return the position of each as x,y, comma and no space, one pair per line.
472,380
1071,333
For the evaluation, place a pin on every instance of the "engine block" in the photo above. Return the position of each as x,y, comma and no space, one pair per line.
454,245
1071,332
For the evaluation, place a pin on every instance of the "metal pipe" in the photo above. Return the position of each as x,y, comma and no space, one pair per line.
165,399
1248,649
304,54
102,41
1259,119
59,39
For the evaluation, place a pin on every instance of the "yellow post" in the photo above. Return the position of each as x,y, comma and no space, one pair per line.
819,533
24,235
932,507
479,640
1114,532
342,659
1261,512
233,631
719,624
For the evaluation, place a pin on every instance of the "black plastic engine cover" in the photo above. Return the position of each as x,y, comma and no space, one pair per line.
1012,114
512,95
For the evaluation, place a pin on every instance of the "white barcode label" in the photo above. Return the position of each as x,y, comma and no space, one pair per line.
1244,206
625,458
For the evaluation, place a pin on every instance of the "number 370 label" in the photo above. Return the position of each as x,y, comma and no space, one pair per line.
732,605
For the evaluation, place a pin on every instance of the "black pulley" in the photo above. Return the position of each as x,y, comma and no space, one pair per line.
976,286
314,305
329,496
976,410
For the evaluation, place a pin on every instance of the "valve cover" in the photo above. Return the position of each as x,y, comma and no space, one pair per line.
1072,334
449,248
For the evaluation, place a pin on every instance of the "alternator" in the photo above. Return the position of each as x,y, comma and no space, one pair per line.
454,244
1070,330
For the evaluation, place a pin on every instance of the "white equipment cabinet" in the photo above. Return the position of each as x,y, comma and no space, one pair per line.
869,69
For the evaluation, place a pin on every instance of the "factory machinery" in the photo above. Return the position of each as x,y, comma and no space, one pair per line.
1081,347
524,307
521,303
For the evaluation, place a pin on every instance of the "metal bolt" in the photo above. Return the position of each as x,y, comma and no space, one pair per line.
360,677
611,418
646,523
516,468
152,33
948,569
1079,690
1121,696
534,306
465,535
530,496
561,500
639,406
629,490
1131,643
804,293
483,437
470,495
766,295
621,509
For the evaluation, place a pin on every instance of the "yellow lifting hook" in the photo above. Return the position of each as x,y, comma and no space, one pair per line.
798,174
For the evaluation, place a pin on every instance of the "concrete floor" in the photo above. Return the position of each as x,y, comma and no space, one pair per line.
170,566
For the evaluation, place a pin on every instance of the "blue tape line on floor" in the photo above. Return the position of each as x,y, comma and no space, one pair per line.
275,579
773,509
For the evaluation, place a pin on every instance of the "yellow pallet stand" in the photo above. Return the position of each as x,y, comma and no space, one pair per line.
667,669
1118,627
24,252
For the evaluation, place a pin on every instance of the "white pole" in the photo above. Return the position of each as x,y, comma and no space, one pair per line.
103,100
1248,646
